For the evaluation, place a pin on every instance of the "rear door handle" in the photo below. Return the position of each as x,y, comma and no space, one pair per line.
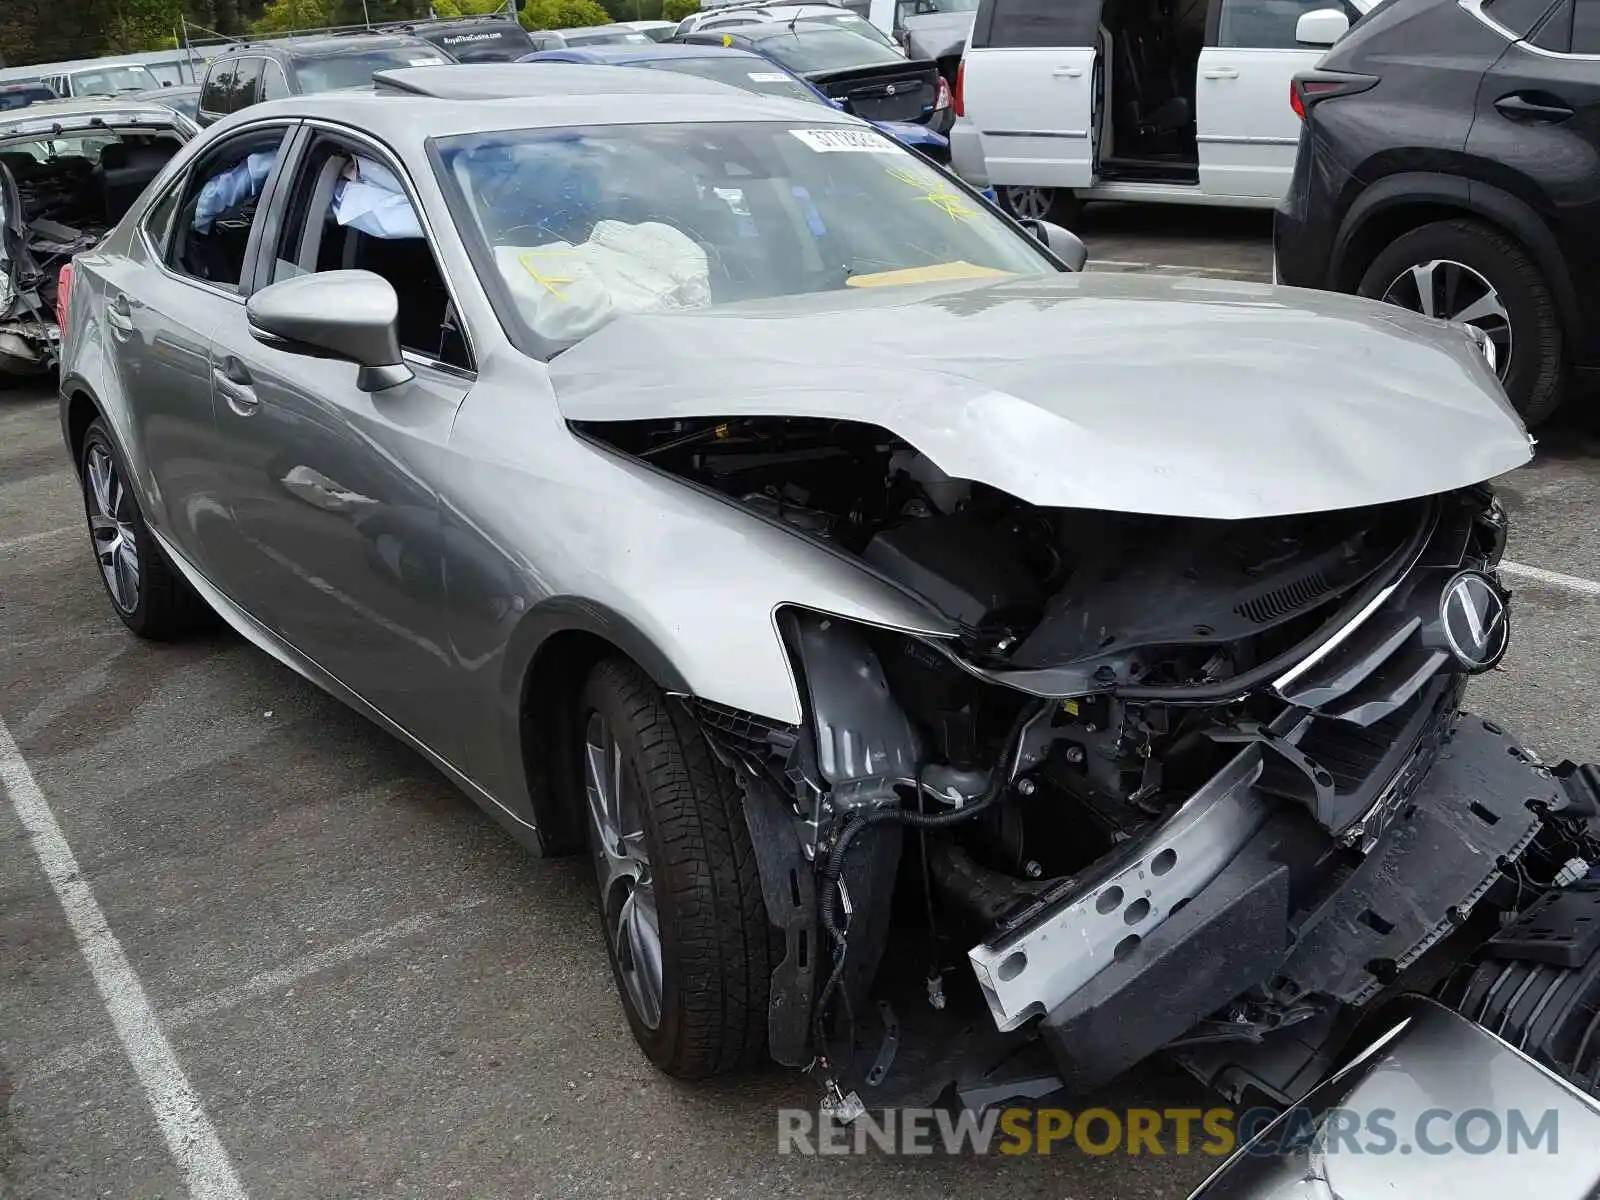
1220,73
1520,108
1067,72
233,381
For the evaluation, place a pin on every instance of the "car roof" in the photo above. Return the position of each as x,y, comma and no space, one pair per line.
409,105
86,111
632,52
318,45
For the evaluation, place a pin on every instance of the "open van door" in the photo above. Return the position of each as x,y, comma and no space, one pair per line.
1031,86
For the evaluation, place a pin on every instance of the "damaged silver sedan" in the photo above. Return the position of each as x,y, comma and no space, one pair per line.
69,170
969,677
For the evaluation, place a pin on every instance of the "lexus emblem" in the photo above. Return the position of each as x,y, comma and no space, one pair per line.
1476,622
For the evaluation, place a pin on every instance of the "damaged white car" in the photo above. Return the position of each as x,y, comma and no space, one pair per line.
968,676
69,170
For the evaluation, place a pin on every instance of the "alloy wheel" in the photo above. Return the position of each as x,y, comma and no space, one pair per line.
116,543
1031,203
1454,291
622,862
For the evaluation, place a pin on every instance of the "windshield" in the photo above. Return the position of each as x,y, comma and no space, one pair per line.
573,227
355,68
807,47
621,36
853,24
486,45
21,97
110,80
749,74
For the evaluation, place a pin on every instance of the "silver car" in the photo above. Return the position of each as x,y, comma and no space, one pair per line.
961,670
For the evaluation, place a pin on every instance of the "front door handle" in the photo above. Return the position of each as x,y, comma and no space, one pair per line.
1067,72
1220,73
233,381
1520,108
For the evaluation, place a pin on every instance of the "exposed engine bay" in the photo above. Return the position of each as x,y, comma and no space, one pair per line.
1168,783
60,194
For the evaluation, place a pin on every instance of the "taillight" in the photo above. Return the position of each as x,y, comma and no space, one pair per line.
1313,87
956,101
63,296
942,101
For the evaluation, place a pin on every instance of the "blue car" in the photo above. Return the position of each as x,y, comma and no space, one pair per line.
741,69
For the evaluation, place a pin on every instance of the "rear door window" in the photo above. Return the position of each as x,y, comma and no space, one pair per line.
1269,24
1036,24
246,84
218,87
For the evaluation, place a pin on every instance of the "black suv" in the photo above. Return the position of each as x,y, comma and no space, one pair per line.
1449,162
251,72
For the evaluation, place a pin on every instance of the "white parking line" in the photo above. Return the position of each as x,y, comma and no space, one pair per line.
1572,583
264,984
191,1138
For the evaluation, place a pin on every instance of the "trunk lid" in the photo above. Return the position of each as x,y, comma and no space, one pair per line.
899,91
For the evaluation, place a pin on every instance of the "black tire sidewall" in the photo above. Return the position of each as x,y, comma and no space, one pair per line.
661,1043
1533,381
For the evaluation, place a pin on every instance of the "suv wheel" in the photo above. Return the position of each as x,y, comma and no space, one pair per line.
691,948
1057,205
149,596
1463,270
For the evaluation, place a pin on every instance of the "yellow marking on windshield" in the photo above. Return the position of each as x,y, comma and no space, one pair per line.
550,283
952,204
937,273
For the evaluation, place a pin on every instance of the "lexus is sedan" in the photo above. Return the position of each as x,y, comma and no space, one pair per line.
968,676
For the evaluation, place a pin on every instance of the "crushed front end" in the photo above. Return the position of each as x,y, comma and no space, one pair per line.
1182,785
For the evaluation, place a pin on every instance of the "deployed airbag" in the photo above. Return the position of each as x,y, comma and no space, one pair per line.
565,291
370,199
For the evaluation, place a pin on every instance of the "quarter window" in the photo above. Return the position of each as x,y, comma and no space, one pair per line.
1586,27
1519,16
273,84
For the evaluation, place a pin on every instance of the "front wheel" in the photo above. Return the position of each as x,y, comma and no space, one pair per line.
1056,205
1464,270
686,928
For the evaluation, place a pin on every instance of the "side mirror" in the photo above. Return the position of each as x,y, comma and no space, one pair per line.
348,315
1322,27
1063,243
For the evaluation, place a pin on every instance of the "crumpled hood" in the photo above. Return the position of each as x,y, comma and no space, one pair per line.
1184,397
936,35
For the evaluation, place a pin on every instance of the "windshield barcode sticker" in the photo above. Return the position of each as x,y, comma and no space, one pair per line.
768,77
860,141
427,62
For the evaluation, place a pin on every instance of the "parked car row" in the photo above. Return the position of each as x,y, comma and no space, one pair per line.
1443,155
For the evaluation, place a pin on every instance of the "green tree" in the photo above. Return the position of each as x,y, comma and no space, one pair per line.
677,10
563,14
280,16
467,8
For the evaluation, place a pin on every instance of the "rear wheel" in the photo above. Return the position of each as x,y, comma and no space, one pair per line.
691,948
1056,205
149,596
1464,270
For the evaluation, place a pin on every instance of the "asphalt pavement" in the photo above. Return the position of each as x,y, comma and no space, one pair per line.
261,949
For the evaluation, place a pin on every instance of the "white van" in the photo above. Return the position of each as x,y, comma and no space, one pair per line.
103,79
1170,100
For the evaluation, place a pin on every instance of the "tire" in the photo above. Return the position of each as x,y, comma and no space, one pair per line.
1532,374
1056,205
151,598
716,947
